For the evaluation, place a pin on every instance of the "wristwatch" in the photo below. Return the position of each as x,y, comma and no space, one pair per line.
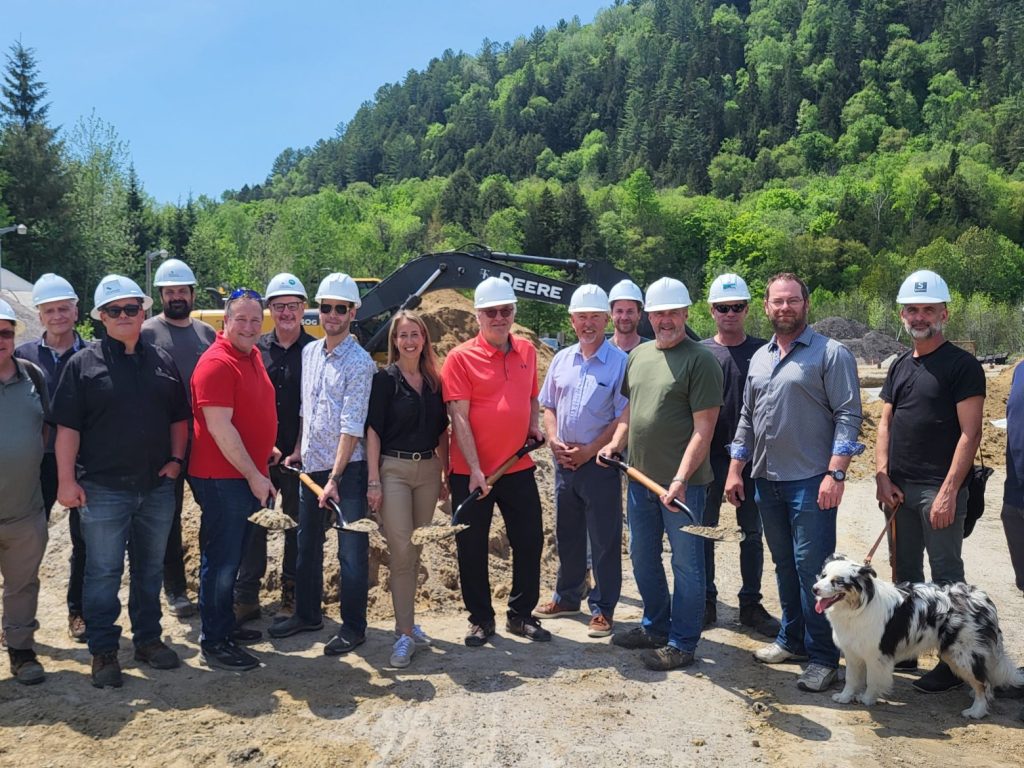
176,460
837,474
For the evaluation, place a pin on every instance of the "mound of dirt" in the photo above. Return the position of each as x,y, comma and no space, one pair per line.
839,328
867,345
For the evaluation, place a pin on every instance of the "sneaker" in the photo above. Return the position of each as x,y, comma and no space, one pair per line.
776,654
528,627
421,638
762,622
478,634
246,612
816,678
243,636
710,613
938,680
25,666
180,605
106,670
638,637
157,655
665,658
402,653
340,644
553,610
76,628
294,625
600,626
907,665
229,656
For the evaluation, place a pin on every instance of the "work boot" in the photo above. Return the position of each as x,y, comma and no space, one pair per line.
478,634
25,666
106,670
246,612
756,617
287,599
710,613
157,655
527,627
938,680
76,628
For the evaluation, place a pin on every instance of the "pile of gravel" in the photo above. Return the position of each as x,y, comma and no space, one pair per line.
840,328
867,346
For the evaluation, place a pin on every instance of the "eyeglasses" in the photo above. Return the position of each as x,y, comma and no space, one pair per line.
780,303
130,310
6,333
291,306
245,293
505,312
724,309
340,309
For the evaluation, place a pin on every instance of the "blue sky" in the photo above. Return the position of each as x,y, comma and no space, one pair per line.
207,94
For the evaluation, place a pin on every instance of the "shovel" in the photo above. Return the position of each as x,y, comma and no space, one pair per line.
704,531
438,532
338,523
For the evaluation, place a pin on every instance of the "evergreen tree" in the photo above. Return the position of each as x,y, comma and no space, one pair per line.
23,92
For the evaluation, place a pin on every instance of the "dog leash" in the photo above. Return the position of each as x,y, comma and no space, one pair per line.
888,521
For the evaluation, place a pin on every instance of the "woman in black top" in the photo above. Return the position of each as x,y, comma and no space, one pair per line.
407,453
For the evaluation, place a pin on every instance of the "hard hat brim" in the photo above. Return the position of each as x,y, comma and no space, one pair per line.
71,297
356,303
922,300
666,307
591,308
300,295
147,303
495,303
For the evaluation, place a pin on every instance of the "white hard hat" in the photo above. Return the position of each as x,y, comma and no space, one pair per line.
493,292
173,272
728,287
51,287
285,284
114,287
626,289
923,287
588,298
7,312
667,293
339,286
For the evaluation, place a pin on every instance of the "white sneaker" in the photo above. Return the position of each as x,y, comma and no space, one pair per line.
816,678
421,638
776,654
403,652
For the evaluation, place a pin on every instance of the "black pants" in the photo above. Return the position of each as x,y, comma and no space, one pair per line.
254,559
519,502
48,480
174,555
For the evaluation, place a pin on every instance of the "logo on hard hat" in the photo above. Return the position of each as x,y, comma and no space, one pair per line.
729,285
113,285
291,281
921,286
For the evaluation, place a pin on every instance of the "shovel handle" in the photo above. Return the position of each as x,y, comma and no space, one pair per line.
531,445
310,483
635,474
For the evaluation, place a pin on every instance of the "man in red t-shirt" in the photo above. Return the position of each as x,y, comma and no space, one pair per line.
235,428
490,385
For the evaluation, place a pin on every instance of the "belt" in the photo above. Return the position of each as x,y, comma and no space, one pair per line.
413,456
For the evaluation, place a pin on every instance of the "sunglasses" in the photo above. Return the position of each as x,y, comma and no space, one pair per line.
724,309
339,309
6,333
130,310
245,293
503,311
291,306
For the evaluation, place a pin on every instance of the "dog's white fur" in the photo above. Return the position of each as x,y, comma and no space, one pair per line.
877,624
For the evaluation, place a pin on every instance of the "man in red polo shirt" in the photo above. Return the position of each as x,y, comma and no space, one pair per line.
235,428
490,385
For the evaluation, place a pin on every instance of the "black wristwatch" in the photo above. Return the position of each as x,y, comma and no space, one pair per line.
176,460
837,474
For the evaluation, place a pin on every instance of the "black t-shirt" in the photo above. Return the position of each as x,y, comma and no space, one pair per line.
924,392
404,419
284,368
123,407
735,362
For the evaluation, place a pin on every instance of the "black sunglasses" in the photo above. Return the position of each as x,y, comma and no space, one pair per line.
493,313
130,310
724,309
341,309
247,293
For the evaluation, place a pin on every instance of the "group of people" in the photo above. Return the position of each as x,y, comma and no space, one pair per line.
770,424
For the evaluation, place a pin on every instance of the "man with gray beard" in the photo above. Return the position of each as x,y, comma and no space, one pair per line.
927,438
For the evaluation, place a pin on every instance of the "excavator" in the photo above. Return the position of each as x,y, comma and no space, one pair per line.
461,269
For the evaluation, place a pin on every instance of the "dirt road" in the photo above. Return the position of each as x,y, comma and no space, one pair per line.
572,702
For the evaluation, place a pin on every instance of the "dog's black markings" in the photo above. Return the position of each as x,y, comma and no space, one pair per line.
897,627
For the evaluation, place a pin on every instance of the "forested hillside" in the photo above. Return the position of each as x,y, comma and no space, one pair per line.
848,141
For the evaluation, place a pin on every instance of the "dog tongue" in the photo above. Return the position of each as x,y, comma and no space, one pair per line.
820,605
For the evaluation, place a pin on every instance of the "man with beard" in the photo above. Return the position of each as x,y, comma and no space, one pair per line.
798,426
626,304
927,437
184,339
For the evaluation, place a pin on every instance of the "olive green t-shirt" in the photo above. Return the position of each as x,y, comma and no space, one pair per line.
665,387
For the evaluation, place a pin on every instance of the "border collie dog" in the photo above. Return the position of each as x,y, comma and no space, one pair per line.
877,624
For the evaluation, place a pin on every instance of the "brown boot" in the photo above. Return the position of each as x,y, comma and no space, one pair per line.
287,599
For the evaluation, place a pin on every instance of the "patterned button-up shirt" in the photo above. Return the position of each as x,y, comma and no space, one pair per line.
799,410
335,396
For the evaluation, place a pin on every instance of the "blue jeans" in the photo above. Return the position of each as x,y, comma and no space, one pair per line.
682,617
353,553
588,509
114,522
800,536
748,517
223,532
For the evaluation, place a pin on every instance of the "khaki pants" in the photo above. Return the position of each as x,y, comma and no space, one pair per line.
409,491
22,543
